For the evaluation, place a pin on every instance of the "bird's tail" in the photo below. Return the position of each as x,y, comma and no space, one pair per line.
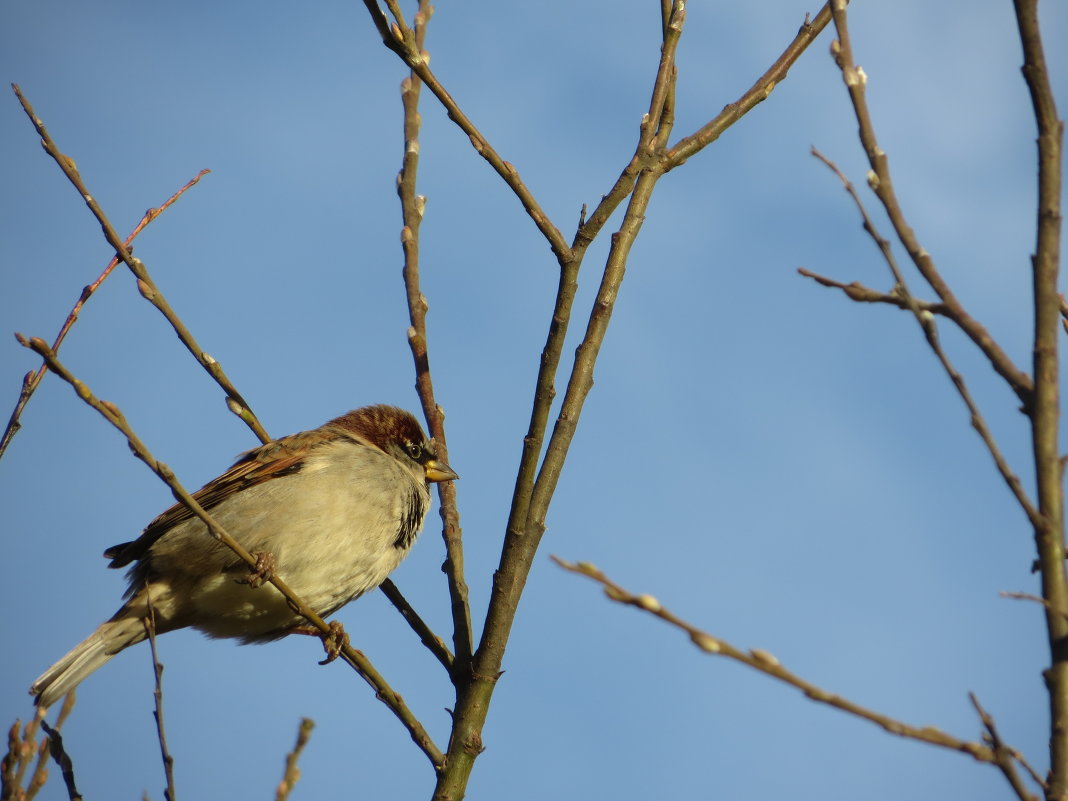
88,655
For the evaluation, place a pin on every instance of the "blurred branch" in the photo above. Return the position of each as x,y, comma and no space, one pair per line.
292,773
767,664
157,694
33,378
354,658
21,750
412,205
145,284
930,330
62,758
1005,757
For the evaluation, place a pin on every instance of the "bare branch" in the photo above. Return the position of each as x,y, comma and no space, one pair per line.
863,294
756,94
412,205
292,772
157,671
930,331
1049,536
145,284
399,38
764,662
62,758
881,183
33,379
432,641
1005,757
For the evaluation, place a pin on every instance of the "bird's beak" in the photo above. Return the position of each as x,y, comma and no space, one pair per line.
437,470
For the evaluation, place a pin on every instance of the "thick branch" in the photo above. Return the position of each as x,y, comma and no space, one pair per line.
1045,416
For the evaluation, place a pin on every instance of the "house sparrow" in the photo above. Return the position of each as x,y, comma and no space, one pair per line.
337,508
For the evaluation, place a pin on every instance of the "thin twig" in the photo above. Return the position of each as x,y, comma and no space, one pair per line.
292,773
688,146
432,641
22,748
399,38
62,758
33,378
145,285
882,184
412,205
1024,596
863,294
767,664
930,330
1005,757
354,658
157,671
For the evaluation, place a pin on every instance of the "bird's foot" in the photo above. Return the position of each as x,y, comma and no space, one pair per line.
263,571
334,642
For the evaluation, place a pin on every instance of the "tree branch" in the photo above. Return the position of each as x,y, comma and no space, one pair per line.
412,205
881,183
930,331
33,378
767,664
145,284
1045,415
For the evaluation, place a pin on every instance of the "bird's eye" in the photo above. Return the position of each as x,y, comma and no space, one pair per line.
414,449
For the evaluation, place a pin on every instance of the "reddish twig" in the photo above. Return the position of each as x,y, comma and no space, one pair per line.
145,285
33,378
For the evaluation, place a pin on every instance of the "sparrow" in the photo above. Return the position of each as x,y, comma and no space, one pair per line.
333,510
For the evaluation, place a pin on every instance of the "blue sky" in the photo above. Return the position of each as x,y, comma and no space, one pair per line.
782,467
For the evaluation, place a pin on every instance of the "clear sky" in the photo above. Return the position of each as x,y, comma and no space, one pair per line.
785,468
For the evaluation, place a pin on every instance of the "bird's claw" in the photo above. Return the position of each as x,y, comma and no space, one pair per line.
263,571
334,642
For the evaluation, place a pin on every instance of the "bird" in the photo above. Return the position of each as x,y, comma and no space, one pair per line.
332,511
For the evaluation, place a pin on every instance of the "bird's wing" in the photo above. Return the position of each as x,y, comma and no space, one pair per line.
282,457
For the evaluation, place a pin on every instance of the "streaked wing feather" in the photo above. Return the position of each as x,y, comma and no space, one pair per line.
273,460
